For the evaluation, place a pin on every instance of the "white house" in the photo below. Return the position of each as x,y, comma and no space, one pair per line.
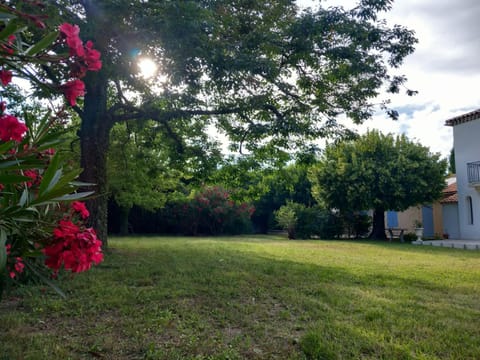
466,143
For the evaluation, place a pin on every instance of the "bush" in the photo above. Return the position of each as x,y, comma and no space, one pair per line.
287,218
302,222
210,211
409,237
357,224
39,232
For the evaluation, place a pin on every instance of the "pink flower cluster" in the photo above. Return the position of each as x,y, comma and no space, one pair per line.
35,176
86,58
18,264
73,245
11,128
8,46
5,77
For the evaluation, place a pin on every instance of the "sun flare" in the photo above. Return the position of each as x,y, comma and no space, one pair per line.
147,67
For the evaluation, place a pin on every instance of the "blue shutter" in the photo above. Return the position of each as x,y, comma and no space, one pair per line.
392,219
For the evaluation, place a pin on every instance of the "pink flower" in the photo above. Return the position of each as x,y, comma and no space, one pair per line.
74,247
71,33
5,77
66,229
34,175
8,48
18,267
92,57
85,57
11,128
80,208
72,90
69,30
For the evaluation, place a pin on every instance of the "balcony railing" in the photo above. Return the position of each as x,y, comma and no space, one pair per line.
473,171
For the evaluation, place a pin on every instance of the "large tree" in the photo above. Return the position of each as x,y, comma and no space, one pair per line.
379,172
144,170
265,72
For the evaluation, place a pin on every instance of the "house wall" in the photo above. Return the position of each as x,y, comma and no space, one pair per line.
467,149
450,221
407,218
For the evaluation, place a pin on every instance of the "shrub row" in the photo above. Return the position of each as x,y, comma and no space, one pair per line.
210,211
302,222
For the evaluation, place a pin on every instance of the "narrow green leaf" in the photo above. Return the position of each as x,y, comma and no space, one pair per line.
42,44
11,28
6,146
49,174
76,196
56,177
24,220
46,280
5,15
66,180
11,163
23,198
81,183
13,179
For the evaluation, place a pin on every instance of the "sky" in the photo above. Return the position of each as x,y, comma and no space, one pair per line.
444,69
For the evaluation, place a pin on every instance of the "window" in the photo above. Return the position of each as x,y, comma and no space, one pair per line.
469,210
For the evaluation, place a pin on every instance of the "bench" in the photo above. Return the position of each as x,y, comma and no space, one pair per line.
396,232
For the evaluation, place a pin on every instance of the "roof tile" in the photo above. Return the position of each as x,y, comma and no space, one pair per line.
472,115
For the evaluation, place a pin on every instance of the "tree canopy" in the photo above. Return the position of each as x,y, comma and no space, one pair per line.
266,73
379,172
144,169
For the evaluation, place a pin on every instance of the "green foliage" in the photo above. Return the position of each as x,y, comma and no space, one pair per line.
232,63
139,168
287,218
210,211
357,224
451,162
267,183
409,237
305,222
377,172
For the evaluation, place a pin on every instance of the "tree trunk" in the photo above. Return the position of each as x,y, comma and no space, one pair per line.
94,139
96,124
378,231
124,212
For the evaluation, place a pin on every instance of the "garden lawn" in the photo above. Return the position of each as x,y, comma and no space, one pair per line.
253,298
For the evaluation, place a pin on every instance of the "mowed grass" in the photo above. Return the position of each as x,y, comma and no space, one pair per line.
254,298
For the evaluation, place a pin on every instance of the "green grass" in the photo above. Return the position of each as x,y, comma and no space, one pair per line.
254,298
